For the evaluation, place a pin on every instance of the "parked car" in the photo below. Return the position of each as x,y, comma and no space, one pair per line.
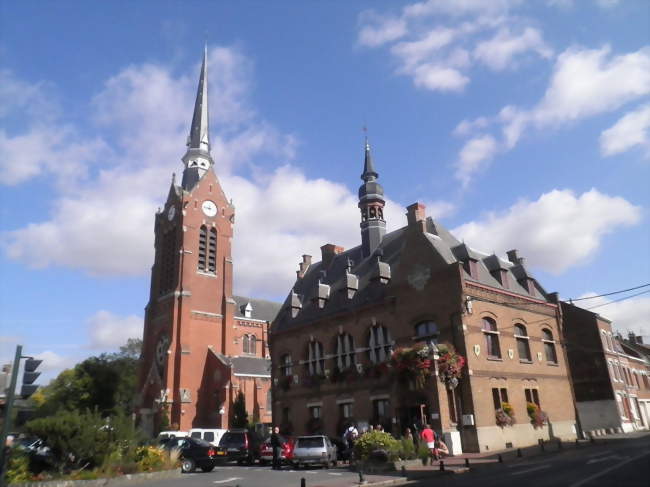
211,435
195,453
266,452
241,445
317,449
166,435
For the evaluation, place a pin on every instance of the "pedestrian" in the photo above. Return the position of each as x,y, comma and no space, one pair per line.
429,437
379,427
409,436
276,445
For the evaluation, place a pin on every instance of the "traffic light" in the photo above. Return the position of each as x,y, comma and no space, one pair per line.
29,376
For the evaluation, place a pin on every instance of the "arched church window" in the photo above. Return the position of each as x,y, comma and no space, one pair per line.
379,344
246,344
167,261
252,345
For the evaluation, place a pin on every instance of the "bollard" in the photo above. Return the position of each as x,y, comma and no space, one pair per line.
500,458
403,471
442,466
519,454
467,462
303,482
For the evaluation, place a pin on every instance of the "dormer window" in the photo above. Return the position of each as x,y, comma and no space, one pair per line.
470,267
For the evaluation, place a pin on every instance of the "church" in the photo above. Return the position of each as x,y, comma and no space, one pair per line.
202,345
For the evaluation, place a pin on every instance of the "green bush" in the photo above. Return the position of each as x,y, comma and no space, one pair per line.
149,458
376,440
18,467
424,453
407,449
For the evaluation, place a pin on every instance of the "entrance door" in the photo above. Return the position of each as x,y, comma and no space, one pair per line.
414,417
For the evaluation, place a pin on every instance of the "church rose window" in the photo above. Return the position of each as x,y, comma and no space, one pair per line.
315,358
345,355
379,344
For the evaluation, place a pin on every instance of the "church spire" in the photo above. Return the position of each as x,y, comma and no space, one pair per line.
371,204
197,159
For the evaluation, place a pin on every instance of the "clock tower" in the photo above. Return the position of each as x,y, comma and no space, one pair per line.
190,338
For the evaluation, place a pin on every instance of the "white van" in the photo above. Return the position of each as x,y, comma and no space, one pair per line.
208,434
165,435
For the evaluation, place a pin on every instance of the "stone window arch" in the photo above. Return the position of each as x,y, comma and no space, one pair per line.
549,345
523,345
491,334
379,344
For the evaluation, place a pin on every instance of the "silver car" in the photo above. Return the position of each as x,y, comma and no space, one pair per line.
314,450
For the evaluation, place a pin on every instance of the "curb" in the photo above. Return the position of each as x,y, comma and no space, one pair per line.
128,479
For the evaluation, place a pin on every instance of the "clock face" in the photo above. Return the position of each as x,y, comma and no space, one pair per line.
161,350
171,212
209,208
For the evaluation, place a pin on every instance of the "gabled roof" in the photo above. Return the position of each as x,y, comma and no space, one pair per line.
248,366
443,243
262,309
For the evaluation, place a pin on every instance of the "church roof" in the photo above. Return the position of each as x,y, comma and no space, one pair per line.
261,308
370,269
251,366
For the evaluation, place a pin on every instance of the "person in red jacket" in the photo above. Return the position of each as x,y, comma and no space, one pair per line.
429,437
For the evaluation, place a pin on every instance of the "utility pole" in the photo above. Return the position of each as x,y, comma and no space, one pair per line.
6,424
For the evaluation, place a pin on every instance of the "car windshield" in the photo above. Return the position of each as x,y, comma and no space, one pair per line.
313,442
232,439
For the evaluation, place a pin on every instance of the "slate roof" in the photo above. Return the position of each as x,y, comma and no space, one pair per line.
262,309
251,366
448,247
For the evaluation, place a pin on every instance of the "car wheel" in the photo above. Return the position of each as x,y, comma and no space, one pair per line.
207,468
188,465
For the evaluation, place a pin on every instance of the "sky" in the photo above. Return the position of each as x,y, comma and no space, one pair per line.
518,124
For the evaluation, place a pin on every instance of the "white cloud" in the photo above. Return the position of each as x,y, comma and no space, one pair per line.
108,330
555,232
626,315
475,154
498,53
53,363
629,131
437,36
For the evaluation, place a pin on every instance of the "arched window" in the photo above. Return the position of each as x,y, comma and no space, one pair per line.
427,329
246,344
315,358
549,346
207,249
286,365
523,347
345,355
252,345
379,344
168,261
491,338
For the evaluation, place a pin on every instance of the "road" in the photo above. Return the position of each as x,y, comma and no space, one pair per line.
621,463
256,476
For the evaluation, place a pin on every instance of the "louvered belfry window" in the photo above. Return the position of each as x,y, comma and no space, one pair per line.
207,249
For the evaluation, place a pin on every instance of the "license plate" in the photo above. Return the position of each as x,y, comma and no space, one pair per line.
233,449
221,453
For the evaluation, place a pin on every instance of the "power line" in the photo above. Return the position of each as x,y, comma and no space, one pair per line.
620,299
609,294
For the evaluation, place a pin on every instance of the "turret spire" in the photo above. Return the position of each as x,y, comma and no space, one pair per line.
369,173
371,204
197,159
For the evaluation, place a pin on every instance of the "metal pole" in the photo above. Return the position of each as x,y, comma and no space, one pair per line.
6,425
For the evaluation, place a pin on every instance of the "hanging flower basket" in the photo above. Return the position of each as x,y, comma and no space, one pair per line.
413,365
538,418
450,365
505,416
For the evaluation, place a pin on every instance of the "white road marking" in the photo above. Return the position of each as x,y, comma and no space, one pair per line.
603,459
334,473
231,479
602,452
609,469
533,469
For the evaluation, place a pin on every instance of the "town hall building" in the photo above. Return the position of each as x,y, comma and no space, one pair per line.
413,327
202,345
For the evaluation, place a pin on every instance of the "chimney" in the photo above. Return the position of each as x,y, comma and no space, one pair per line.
512,256
416,216
303,266
328,252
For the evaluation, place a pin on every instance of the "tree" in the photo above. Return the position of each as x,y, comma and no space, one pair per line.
240,415
105,383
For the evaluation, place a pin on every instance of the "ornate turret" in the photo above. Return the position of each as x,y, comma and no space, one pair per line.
371,204
197,159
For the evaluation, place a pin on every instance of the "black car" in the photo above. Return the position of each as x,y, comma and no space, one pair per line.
241,445
198,453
